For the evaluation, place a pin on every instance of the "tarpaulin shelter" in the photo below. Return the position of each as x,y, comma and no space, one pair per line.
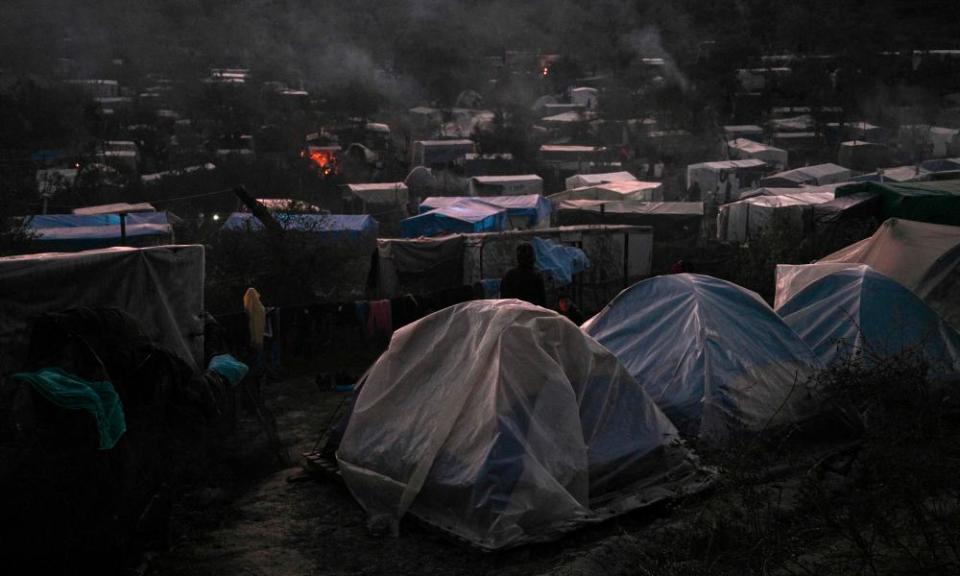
514,185
858,312
937,202
464,216
713,355
627,190
419,265
73,232
863,156
940,140
710,177
669,220
816,175
923,257
161,287
741,220
115,208
524,211
431,153
742,149
381,193
748,131
503,424
581,180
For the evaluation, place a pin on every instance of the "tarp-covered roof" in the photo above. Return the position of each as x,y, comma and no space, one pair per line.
629,190
502,423
115,208
579,180
89,231
381,193
937,202
464,216
859,312
712,355
738,221
818,174
534,207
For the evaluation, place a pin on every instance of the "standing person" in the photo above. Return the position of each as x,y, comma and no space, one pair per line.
523,282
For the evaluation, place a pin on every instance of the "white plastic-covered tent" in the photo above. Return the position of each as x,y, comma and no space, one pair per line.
712,355
392,193
923,257
712,177
742,148
816,175
626,191
514,185
941,140
580,180
524,211
857,312
741,220
502,423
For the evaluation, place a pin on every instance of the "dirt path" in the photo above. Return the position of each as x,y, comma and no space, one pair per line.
267,524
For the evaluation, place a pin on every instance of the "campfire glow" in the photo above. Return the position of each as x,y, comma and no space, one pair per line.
324,159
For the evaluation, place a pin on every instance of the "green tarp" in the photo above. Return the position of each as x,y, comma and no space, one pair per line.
100,399
936,202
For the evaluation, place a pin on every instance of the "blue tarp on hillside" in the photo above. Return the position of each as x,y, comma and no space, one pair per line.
558,261
859,311
534,208
464,217
72,232
340,225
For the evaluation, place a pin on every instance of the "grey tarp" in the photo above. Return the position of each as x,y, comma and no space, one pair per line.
419,265
503,423
161,287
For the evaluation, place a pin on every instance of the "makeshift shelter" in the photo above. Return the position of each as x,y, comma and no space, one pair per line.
581,180
516,185
419,265
161,287
571,157
742,149
463,216
817,175
713,355
863,156
747,131
623,191
526,211
669,220
923,257
940,141
937,202
725,179
739,221
114,208
859,313
503,424
381,193
74,232
585,96
432,153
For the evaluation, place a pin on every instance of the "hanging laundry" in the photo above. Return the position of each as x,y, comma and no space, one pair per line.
380,327
256,316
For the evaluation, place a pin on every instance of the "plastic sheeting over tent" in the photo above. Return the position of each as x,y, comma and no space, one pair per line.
739,221
858,312
380,193
517,185
937,202
712,355
526,211
464,216
817,175
923,257
743,148
162,287
581,180
670,220
711,177
502,423
626,191
73,232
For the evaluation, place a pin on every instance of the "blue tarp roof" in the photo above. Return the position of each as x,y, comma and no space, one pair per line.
534,207
333,224
859,310
84,232
464,216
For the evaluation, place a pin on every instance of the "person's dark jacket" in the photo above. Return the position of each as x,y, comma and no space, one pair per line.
524,284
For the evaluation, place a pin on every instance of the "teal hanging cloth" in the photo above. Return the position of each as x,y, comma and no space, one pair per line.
73,393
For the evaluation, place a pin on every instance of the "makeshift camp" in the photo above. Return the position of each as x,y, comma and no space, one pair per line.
506,185
724,180
539,430
622,191
713,355
581,180
741,220
808,176
161,287
669,220
463,216
440,153
526,211
937,202
863,156
857,313
742,149
938,141
74,232
923,257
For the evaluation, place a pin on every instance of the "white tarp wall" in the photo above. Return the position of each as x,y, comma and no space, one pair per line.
579,180
502,423
713,355
161,287
713,178
743,149
739,221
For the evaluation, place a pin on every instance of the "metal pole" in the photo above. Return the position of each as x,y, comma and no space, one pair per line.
123,228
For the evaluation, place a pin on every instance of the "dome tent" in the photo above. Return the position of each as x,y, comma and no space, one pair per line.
858,310
502,423
713,355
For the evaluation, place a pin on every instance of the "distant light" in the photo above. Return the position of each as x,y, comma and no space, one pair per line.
216,217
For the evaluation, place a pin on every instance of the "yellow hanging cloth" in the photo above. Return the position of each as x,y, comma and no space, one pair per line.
256,316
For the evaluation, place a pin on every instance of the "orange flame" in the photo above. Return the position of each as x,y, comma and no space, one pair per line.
325,161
